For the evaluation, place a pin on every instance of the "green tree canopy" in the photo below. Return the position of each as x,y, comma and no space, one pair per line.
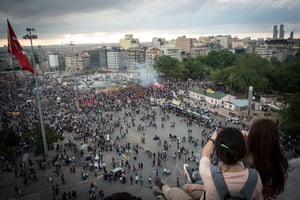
195,67
9,140
291,115
248,70
287,76
166,65
51,136
220,59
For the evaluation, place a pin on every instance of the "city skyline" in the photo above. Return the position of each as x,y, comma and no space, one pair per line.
99,21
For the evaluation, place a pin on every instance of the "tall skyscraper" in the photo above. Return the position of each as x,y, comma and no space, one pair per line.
292,35
275,32
281,31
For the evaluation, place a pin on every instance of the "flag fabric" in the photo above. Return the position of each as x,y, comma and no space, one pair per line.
15,48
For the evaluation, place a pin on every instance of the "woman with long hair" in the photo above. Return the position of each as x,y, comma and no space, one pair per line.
230,148
265,154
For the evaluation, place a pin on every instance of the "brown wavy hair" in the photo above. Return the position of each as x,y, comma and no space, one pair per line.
267,157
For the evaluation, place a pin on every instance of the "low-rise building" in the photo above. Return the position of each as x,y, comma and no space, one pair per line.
214,98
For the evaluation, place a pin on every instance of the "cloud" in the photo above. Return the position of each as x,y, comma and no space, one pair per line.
35,8
64,18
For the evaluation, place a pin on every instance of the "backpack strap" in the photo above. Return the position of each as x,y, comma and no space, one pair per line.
219,181
221,186
249,186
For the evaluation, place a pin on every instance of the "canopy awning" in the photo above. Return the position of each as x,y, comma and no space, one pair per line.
176,102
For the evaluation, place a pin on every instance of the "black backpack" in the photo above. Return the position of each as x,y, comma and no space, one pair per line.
225,194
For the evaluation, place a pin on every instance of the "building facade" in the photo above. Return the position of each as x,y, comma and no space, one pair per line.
172,52
151,56
224,41
129,42
158,42
185,44
281,32
116,58
275,32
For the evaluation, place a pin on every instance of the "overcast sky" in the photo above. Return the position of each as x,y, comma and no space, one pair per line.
101,21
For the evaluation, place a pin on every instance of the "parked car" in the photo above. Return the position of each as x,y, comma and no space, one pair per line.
212,125
117,172
234,120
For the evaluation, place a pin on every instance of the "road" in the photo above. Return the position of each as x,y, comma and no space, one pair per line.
43,190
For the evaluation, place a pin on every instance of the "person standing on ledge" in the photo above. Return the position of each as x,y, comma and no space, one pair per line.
230,148
265,154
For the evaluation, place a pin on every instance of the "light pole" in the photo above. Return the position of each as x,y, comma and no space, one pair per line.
250,96
74,64
30,36
230,79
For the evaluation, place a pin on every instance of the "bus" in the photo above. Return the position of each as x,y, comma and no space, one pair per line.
274,108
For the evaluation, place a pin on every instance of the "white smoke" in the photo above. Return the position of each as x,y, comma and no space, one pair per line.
147,75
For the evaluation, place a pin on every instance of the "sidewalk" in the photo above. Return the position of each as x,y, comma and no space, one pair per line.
8,181
291,191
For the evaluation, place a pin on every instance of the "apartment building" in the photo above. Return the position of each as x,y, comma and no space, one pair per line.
129,42
199,49
116,58
185,44
53,61
158,42
151,56
224,41
172,52
236,43
103,57
135,57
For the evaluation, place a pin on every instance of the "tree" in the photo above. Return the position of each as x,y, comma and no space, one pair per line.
220,59
51,136
166,65
195,67
291,115
287,76
179,71
247,70
9,140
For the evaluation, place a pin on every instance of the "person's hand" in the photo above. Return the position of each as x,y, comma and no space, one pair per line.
245,133
193,187
214,135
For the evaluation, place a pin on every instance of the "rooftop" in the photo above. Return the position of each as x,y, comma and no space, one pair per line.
209,92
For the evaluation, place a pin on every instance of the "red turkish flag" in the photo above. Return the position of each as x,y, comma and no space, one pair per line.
15,48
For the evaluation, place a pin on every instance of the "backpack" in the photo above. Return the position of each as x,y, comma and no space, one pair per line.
225,194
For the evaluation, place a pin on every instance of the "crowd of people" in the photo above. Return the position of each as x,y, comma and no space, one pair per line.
239,154
100,122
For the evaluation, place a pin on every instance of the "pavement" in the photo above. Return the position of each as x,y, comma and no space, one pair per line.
291,191
42,189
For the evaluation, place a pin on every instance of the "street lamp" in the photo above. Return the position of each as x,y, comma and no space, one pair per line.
230,79
74,64
30,36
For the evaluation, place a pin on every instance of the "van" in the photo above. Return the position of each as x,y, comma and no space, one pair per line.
117,172
234,120
205,118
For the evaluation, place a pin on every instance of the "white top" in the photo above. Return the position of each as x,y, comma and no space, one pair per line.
235,181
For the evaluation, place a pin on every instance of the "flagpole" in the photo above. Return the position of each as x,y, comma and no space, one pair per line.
30,36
